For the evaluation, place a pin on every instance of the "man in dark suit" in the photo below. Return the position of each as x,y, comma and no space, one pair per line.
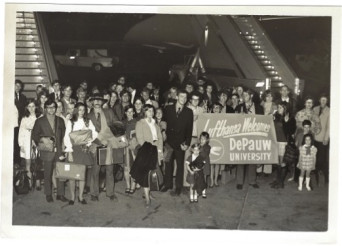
20,103
20,99
57,94
247,107
285,96
96,115
131,88
179,119
50,125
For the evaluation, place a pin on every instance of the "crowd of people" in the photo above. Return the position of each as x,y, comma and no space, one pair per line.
161,130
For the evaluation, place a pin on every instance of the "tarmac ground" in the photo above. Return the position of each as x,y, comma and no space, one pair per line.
225,208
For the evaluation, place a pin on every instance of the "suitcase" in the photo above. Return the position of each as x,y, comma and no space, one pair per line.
101,152
66,170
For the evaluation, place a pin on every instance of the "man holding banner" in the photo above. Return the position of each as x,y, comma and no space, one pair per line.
248,107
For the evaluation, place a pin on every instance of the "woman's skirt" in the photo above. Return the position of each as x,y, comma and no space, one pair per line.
82,156
145,161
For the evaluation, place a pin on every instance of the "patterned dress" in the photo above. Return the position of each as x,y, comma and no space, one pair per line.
307,161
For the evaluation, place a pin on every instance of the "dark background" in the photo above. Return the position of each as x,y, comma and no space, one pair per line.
304,42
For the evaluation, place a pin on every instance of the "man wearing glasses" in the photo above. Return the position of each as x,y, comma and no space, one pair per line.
50,125
195,98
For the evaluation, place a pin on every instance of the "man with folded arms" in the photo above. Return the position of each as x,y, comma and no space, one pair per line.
51,126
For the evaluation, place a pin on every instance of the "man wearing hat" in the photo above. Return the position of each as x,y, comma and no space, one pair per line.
102,119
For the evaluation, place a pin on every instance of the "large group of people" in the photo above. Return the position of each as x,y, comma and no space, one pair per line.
161,130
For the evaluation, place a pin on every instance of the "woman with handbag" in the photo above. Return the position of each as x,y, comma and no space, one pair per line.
79,135
285,127
150,154
24,137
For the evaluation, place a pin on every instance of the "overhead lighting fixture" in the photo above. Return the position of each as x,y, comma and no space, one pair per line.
206,35
260,84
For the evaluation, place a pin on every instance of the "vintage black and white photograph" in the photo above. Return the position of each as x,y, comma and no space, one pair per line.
214,119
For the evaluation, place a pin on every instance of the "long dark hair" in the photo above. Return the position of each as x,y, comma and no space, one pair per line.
75,114
42,93
36,111
285,106
126,108
310,136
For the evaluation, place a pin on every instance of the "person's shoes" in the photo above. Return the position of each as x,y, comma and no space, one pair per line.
239,186
278,186
38,188
86,190
113,198
178,191
300,188
94,198
195,200
61,198
273,183
204,196
216,185
131,191
148,203
49,198
71,202
83,201
164,189
191,200
127,190
255,186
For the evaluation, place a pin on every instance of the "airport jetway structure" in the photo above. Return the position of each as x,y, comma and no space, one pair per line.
34,62
233,49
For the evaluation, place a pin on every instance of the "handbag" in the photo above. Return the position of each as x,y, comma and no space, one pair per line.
69,170
118,173
46,144
118,129
155,179
21,182
80,137
291,154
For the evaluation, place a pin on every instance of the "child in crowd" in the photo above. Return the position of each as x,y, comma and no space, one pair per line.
195,177
298,142
160,122
300,133
205,152
307,160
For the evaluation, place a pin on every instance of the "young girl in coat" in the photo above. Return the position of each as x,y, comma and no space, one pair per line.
195,177
307,160
205,152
